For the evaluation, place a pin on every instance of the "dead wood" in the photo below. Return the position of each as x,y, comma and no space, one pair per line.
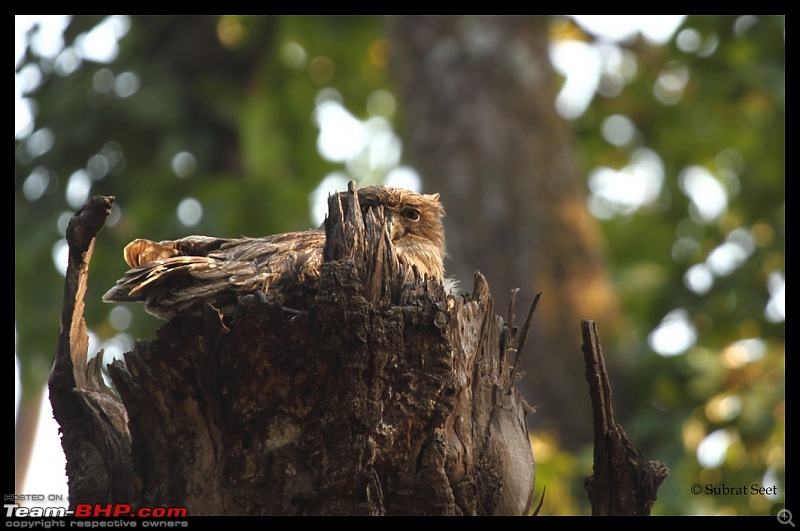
623,482
386,396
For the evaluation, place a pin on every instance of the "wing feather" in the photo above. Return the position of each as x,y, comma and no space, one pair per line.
283,266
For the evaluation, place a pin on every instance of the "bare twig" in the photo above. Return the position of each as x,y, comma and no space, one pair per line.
523,338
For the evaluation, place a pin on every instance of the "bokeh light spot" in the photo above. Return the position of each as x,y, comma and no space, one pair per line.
689,40
341,135
120,317
404,177
126,84
103,81
655,28
624,191
744,23
35,184
742,352
775,312
68,62
190,212
79,186
580,83
707,194
723,407
699,279
47,34
674,335
230,32
40,142
98,166
710,45
725,258
713,448
669,86
293,56
383,147
618,130
62,221
100,43
183,164
60,253
321,69
23,122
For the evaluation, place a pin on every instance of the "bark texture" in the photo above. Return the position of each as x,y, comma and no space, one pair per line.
386,396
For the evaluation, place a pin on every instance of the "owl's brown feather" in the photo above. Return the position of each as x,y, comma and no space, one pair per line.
180,277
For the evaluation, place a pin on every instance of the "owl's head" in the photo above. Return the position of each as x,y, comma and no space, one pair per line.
410,216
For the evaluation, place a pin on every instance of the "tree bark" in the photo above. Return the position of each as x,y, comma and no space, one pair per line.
477,96
385,396
623,481
94,423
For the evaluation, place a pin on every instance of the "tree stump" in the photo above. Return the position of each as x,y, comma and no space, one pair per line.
385,396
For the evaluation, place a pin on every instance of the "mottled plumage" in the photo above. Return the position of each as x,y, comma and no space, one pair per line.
179,277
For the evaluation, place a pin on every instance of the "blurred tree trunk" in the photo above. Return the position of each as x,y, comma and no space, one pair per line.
478,98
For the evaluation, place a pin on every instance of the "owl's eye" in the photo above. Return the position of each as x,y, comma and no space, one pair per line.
411,214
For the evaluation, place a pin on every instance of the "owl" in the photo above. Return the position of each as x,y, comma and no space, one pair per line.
180,277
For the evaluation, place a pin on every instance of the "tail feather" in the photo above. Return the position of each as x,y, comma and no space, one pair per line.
172,281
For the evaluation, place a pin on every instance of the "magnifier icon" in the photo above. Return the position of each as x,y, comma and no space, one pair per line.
785,517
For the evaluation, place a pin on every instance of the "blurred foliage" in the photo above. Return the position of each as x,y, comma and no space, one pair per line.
234,95
729,388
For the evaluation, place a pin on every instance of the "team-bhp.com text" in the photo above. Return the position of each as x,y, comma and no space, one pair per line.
96,510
